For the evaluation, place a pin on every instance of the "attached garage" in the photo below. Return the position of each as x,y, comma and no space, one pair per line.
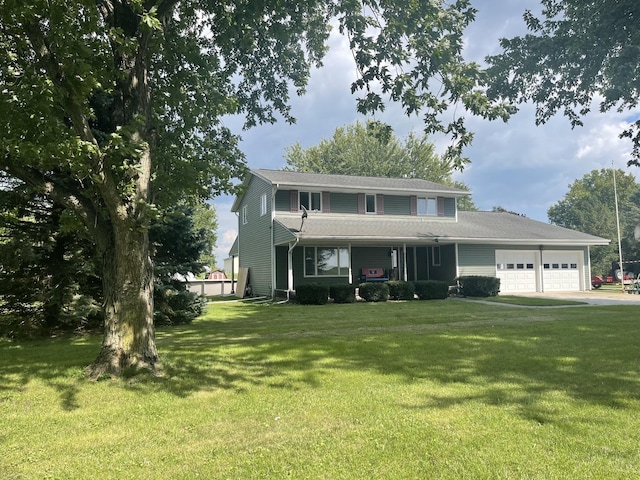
535,270
517,270
561,271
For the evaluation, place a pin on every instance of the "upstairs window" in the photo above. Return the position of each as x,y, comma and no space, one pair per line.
310,201
245,215
263,204
427,206
370,203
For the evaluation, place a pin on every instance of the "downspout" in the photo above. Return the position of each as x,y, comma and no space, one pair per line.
273,239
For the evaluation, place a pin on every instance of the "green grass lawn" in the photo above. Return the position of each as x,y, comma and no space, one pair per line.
439,389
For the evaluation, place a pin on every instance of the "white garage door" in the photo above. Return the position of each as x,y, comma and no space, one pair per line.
516,270
561,271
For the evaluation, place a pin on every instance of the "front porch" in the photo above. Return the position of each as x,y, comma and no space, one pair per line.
297,264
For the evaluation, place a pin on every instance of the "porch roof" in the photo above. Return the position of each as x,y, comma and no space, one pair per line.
471,227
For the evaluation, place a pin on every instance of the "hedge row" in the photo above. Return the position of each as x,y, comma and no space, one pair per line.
317,294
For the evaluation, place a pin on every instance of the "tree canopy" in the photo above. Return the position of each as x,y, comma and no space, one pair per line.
579,52
373,150
114,109
589,206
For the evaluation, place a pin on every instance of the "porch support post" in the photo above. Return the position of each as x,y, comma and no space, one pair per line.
290,268
350,267
404,262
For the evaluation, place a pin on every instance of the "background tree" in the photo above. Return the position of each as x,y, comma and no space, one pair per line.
578,52
47,276
589,206
205,219
113,109
49,281
178,246
373,150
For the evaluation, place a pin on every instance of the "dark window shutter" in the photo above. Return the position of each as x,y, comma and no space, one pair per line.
326,202
380,204
293,203
440,207
413,201
361,209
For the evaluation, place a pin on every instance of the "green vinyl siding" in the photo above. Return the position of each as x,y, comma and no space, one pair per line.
344,203
449,207
282,274
254,237
397,205
283,200
446,271
477,260
282,234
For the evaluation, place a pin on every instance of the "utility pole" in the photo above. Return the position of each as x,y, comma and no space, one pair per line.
615,194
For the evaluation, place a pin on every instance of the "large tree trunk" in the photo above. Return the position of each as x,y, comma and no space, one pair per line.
129,335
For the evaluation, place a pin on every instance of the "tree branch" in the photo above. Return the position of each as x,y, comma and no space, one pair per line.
60,193
53,67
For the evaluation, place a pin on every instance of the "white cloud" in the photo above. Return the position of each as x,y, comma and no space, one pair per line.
518,165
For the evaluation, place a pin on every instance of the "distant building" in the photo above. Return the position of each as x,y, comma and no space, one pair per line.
217,275
231,265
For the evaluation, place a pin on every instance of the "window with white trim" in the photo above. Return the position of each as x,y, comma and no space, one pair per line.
263,204
310,200
326,261
370,203
245,215
427,206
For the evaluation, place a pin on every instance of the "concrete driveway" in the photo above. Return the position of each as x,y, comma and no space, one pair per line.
592,297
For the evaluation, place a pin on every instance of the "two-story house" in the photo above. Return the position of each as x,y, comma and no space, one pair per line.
296,228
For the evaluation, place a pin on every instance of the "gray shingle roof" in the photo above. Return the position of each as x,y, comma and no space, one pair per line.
472,227
333,182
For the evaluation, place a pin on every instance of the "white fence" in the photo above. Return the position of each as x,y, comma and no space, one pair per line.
212,287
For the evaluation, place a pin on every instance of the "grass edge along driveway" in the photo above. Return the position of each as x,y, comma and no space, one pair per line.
399,390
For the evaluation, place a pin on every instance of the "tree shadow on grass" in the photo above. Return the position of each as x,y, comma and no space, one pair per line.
501,356
58,363
515,362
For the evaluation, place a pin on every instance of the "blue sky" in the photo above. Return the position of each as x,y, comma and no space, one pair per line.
517,165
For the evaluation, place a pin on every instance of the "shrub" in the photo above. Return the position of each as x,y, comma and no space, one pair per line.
432,289
401,290
342,293
477,286
312,294
374,292
176,306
